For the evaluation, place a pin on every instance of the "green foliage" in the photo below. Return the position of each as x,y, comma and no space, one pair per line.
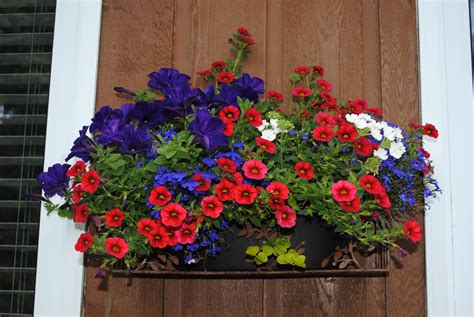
280,248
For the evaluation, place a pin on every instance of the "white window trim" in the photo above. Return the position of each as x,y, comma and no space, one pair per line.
59,277
446,101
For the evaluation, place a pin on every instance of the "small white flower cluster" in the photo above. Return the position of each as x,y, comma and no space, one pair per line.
270,129
380,131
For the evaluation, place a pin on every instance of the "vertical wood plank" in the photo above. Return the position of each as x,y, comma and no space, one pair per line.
218,297
201,32
136,38
406,284
342,36
204,26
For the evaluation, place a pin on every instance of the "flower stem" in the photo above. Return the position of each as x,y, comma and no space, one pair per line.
237,58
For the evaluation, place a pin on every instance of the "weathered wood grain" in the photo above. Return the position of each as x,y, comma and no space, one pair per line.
369,50
205,297
406,285
203,27
136,38
343,37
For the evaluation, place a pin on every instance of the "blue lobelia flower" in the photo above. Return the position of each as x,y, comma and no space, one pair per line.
248,87
82,147
208,130
167,78
133,140
55,180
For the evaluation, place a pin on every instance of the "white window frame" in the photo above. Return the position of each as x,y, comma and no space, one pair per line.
446,101
445,73
60,271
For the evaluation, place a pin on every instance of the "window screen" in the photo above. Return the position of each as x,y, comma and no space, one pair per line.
26,38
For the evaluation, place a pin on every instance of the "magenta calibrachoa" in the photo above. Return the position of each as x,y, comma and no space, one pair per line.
168,172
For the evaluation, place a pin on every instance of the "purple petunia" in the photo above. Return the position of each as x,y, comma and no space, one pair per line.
82,147
55,180
249,87
208,130
166,78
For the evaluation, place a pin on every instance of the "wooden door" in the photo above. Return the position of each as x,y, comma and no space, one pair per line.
369,50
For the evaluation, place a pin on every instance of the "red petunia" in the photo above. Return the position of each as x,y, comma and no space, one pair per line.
371,184
363,146
158,237
159,196
305,114
278,190
77,193
225,77
229,129
254,117
229,114
351,206
324,85
347,133
237,178
286,217
254,169
114,218
212,206
318,70
224,190
323,133
275,96
375,111
301,70
324,118
80,213
276,203
203,183
116,247
301,92
343,191
186,234
173,215
218,65
412,230
76,169
90,181
382,200
172,237
357,106
244,194
204,72
415,125
430,130
304,170
84,242
265,145
425,152
244,31
145,226
226,165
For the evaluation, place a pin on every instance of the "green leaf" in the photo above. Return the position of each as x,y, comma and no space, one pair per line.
281,259
295,78
255,221
268,250
386,143
300,261
252,250
262,257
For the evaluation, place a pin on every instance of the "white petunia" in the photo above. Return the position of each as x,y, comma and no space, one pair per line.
381,153
376,130
398,134
397,149
269,135
388,131
351,117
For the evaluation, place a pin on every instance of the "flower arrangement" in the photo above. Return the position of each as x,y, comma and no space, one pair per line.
166,175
